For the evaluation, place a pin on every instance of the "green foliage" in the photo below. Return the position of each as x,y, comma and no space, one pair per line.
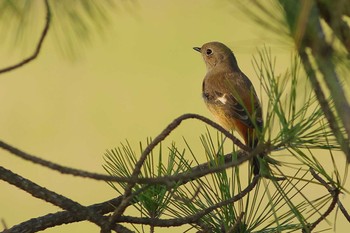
320,33
272,206
153,198
294,132
294,118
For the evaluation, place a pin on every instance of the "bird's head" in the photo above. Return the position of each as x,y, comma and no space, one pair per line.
215,53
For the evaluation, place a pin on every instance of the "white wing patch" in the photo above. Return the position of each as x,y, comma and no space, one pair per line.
222,99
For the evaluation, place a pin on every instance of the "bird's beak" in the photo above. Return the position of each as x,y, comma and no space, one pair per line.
197,49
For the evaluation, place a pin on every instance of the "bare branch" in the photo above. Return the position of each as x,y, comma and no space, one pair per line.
334,193
192,218
49,196
39,45
196,172
158,139
68,217
65,217
343,210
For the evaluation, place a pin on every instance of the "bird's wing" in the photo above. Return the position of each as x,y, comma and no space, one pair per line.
236,96
243,94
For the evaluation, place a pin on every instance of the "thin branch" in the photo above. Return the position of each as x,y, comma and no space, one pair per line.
343,210
57,167
49,196
334,193
322,181
323,216
128,189
196,172
66,217
192,218
39,45
62,217
59,218
159,138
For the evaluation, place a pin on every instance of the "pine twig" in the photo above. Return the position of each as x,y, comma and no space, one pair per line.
335,197
38,46
50,196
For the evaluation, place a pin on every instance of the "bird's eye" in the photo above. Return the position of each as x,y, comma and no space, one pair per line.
209,51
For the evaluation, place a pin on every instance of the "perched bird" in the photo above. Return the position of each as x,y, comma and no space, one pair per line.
229,94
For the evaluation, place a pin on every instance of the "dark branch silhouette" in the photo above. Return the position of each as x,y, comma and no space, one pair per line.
38,46
51,197
65,217
149,148
334,192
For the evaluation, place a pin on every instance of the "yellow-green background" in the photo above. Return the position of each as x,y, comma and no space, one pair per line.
127,84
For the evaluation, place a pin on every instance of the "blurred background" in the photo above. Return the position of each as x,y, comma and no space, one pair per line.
125,76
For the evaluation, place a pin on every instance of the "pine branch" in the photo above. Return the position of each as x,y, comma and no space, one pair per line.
38,46
159,138
51,197
335,198
63,217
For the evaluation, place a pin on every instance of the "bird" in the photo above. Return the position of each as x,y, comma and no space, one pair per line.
230,95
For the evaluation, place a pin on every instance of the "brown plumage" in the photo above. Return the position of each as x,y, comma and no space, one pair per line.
229,94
